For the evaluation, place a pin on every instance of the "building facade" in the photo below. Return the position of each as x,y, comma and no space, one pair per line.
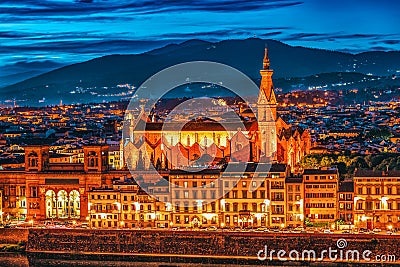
346,202
377,199
295,201
267,139
320,191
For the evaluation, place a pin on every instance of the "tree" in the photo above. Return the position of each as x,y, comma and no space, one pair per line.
326,162
310,162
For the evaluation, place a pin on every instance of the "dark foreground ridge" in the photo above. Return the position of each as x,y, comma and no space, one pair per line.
237,248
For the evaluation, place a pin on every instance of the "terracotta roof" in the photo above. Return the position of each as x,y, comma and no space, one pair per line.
346,186
318,171
371,173
194,126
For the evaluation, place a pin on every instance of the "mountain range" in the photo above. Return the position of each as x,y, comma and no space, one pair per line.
86,81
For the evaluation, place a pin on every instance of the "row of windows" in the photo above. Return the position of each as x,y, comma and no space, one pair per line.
244,194
320,195
377,180
293,207
322,177
14,190
141,217
186,220
13,204
369,205
320,205
378,190
348,206
194,176
104,197
108,217
315,186
346,196
195,194
297,188
194,184
322,216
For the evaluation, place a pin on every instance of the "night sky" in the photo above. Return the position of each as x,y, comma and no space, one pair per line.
43,34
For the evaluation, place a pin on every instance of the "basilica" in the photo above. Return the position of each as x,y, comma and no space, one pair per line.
208,143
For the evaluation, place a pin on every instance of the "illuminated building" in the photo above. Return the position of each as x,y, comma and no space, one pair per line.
194,198
254,198
208,141
320,191
104,208
295,201
346,202
377,199
47,189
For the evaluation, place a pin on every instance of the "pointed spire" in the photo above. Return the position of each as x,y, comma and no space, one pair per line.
266,62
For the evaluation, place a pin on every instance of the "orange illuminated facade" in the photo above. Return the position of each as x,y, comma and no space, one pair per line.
213,143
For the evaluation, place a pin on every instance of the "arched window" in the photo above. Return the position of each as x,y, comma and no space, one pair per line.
51,207
62,204
74,204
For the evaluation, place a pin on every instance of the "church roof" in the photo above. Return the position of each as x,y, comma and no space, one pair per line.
194,126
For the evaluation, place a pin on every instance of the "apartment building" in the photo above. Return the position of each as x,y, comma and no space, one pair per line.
320,191
295,201
377,199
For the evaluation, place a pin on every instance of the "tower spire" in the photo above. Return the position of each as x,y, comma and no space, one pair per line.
266,62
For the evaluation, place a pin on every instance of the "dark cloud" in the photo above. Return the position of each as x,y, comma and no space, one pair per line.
379,48
391,42
271,34
14,34
47,8
334,36
84,46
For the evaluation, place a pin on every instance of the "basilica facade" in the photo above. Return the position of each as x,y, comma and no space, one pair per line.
207,142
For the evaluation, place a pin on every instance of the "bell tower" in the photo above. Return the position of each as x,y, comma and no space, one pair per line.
266,105
36,158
